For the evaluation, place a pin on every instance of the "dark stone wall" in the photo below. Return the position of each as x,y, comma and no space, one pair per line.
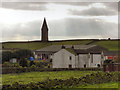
111,67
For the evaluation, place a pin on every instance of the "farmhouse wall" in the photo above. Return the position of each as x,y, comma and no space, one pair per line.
61,59
96,60
83,60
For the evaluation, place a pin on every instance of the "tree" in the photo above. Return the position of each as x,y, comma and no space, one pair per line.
23,62
23,53
6,56
32,63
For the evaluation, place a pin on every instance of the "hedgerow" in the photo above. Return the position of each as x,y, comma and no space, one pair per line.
95,78
7,70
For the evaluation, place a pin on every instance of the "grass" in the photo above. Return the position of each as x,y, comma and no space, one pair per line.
39,45
76,42
31,45
104,85
110,45
41,76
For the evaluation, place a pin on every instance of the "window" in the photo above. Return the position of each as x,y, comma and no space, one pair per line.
70,58
84,65
70,66
50,60
91,58
98,65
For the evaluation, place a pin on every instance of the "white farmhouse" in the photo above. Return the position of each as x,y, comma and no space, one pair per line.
70,58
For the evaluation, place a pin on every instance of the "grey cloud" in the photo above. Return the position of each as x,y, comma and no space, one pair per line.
74,3
64,27
112,5
86,27
93,12
24,5
29,29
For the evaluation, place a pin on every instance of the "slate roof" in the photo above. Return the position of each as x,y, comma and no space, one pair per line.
77,48
58,47
112,53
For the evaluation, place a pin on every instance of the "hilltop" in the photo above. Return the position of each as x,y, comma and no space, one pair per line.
111,45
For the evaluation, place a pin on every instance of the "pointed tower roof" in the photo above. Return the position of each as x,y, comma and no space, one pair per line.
44,26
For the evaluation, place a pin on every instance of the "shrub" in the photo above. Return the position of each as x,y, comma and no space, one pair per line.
7,64
23,63
108,61
33,66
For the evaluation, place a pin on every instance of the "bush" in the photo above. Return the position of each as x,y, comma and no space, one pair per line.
7,64
6,56
33,66
32,63
23,62
108,61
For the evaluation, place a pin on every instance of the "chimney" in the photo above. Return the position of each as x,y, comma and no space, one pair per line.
72,46
63,47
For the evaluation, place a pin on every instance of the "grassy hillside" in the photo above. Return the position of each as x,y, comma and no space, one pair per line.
111,45
39,45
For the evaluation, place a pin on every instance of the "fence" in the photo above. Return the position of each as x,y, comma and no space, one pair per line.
111,67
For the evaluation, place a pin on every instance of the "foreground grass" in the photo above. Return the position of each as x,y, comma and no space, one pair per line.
104,85
28,77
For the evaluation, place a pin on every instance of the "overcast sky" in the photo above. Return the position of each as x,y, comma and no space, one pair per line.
70,20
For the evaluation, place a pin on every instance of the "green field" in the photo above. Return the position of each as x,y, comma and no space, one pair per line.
41,76
39,45
104,85
110,45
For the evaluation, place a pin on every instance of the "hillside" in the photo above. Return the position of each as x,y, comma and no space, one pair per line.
112,45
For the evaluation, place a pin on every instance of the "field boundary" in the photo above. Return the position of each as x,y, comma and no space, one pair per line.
7,70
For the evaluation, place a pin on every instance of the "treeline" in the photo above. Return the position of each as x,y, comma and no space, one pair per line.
18,54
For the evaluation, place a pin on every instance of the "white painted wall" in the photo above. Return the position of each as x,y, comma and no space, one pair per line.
96,60
61,59
83,59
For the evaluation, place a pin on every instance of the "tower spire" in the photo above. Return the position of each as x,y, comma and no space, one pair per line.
44,30
44,26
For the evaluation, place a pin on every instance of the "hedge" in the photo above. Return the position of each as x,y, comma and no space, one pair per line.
95,78
7,70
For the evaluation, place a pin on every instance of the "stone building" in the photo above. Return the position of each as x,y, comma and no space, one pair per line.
68,56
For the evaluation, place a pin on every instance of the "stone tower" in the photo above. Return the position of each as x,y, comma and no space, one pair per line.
44,32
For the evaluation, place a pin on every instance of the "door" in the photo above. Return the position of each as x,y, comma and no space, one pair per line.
70,66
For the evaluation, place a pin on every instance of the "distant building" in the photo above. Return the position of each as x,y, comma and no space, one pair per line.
44,31
13,60
77,56
113,55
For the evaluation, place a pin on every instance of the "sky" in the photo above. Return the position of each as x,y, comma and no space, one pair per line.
65,20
